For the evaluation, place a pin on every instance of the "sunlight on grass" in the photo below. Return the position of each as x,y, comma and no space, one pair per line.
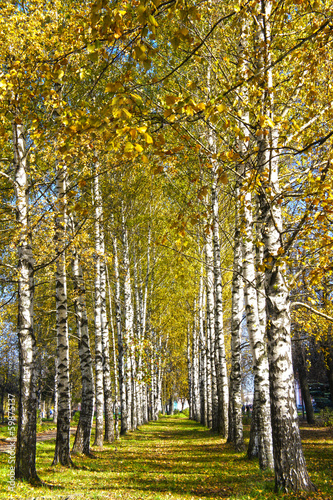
174,459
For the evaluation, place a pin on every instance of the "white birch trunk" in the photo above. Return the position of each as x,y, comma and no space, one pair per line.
144,299
62,449
290,468
83,432
121,353
159,380
99,392
139,335
145,415
219,365
236,423
114,359
209,369
220,359
107,387
55,400
258,345
203,354
261,434
211,379
25,466
189,374
195,369
215,397
128,325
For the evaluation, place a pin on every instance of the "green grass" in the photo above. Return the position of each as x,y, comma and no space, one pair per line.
172,459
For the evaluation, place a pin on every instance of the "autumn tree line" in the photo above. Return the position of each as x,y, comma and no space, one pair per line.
165,196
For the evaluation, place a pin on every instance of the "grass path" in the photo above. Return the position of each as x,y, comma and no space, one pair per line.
41,436
174,459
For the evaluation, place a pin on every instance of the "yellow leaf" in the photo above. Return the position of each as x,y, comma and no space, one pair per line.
270,122
126,113
171,99
133,133
142,129
139,148
128,147
175,42
148,139
109,87
152,20
167,113
113,87
223,178
147,64
137,98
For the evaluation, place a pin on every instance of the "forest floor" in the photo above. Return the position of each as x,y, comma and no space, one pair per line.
172,459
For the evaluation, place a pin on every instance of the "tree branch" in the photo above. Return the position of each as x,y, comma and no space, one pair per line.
312,309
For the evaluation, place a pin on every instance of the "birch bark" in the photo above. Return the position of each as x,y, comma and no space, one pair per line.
300,365
211,378
55,410
107,387
203,356
144,299
114,359
62,448
261,435
99,391
290,468
121,353
236,423
189,374
261,414
83,432
128,324
25,466
195,370
220,359
139,336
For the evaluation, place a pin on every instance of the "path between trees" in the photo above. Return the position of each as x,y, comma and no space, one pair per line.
5,444
171,459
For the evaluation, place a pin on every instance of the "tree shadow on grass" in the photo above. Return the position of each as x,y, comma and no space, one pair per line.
186,459
170,456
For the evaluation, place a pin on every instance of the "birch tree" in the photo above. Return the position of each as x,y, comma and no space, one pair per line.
83,432
109,422
128,324
25,466
290,468
62,449
99,393
235,434
120,338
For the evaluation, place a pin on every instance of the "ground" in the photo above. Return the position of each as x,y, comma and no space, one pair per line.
172,459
